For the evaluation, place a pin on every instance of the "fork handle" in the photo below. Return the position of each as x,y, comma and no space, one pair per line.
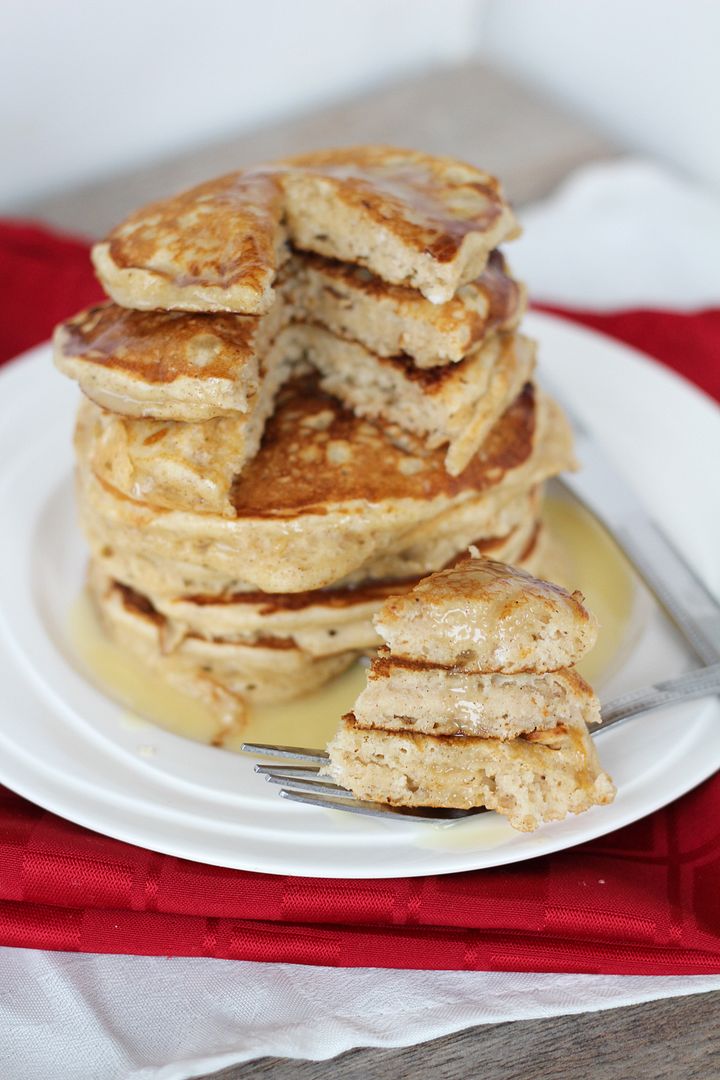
678,588
702,682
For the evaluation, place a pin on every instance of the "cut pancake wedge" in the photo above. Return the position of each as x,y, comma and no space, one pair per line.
535,778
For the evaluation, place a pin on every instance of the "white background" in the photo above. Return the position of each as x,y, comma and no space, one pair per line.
92,86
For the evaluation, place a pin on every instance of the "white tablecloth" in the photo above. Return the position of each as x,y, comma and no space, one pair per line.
619,235
67,1016
616,235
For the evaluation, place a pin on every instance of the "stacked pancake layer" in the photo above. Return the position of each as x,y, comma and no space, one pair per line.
474,701
307,391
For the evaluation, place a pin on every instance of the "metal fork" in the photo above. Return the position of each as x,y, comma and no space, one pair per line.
603,490
301,781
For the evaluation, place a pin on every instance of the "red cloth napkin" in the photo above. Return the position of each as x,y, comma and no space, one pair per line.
644,900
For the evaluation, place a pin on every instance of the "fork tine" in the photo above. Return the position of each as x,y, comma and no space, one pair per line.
303,772
381,810
313,787
304,778
297,753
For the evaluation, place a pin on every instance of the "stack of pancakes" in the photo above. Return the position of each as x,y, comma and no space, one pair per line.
307,391
473,700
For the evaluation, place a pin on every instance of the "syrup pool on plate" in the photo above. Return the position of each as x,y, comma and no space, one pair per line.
582,556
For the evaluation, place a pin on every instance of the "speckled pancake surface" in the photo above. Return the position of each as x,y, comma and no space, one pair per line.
485,616
411,218
538,777
453,406
327,493
215,247
167,365
393,320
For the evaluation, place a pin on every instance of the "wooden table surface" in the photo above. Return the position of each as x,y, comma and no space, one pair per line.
477,114
675,1039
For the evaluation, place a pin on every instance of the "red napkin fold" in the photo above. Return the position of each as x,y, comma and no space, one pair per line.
644,900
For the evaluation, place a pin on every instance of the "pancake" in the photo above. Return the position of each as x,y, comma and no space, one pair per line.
538,777
224,675
182,465
393,320
506,529
322,622
197,467
169,365
408,695
410,218
215,247
486,616
453,406
508,523
327,493
192,465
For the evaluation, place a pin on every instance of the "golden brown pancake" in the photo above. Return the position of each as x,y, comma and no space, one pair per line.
410,218
223,674
413,695
453,406
322,622
485,616
393,320
168,365
175,464
215,247
315,451
538,777
468,707
327,493
505,528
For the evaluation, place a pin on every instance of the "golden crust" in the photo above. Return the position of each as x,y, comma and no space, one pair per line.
431,203
309,522
215,247
393,320
411,218
486,616
483,582
168,365
162,346
173,464
315,452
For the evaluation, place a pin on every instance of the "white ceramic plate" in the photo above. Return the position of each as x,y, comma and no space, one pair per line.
69,748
